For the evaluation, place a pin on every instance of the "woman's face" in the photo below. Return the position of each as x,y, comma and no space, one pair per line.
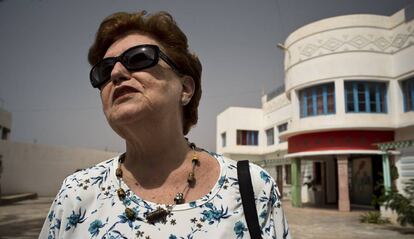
154,93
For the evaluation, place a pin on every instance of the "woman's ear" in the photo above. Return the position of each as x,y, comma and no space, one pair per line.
188,89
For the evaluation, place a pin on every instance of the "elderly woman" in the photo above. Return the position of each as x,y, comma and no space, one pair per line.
162,186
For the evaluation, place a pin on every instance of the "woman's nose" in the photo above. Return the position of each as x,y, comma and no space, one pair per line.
119,73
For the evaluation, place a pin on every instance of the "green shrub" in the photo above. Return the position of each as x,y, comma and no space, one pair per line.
402,205
373,217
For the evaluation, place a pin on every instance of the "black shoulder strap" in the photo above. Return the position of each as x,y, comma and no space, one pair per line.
247,196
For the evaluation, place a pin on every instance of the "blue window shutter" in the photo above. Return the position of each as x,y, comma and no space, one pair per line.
411,84
384,92
355,95
247,137
305,104
404,87
325,99
377,98
314,105
367,103
334,99
346,97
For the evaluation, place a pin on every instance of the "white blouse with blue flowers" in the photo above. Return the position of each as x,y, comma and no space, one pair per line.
87,206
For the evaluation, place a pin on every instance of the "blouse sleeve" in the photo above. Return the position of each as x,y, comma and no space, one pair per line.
278,222
269,206
53,223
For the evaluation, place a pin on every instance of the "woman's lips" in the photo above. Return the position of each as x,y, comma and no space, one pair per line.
123,91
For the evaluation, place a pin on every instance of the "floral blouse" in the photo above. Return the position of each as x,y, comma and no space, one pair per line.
87,206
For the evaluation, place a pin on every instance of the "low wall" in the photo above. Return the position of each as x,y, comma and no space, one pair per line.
41,169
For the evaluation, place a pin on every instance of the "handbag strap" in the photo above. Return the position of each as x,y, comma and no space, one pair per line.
247,197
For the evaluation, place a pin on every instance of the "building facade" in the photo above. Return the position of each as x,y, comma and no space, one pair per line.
253,134
349,81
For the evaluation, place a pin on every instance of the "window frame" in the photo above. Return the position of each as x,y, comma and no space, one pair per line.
352,93
279,126
410,83
272,129
288,174
223,139
317,102
247,137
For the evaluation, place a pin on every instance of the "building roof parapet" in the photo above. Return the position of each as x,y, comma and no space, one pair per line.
352,20
275,93
275,100
361,33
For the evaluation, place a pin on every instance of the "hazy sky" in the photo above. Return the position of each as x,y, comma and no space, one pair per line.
44,71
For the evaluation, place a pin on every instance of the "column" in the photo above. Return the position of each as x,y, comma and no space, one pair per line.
343,201
386,172
296,184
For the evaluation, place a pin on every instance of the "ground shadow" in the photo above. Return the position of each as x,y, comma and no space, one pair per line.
24,229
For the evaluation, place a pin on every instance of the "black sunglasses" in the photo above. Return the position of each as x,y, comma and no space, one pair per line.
134,59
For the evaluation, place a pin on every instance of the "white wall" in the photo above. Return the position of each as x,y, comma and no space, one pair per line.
405,161
234,118
5,119
353,47
41,169
276,112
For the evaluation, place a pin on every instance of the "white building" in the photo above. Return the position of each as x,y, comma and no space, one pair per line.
253,134
350,84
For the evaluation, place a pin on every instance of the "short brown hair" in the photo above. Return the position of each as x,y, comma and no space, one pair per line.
162,27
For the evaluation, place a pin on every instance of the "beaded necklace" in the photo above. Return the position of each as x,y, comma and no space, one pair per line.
158,214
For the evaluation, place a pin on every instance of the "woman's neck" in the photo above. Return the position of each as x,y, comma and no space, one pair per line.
155,154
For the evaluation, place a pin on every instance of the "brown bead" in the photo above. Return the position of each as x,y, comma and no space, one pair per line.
159,214
195,160
118,172
130,214
191,178
121,193
122,158
179,198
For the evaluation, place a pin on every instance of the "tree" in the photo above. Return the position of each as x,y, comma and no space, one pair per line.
403,205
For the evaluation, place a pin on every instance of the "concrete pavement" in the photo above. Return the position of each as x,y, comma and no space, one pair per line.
308,223
25,219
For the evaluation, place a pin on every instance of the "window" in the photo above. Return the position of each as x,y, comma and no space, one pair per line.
317,100
247,137
288,177
282,127
270,135
223,139
408,94
368,97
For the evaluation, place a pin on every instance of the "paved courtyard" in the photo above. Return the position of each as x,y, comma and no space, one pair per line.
24,220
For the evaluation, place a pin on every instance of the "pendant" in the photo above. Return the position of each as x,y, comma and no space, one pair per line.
179,198
130,214
159,215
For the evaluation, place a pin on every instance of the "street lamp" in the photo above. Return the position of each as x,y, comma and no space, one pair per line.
285,49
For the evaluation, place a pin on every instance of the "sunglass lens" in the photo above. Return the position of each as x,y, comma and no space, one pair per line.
140,58
102,72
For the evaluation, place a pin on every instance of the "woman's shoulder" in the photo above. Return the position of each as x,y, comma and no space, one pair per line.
261,179
84,183
101,170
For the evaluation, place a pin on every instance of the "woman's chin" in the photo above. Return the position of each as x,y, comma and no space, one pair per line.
124,113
